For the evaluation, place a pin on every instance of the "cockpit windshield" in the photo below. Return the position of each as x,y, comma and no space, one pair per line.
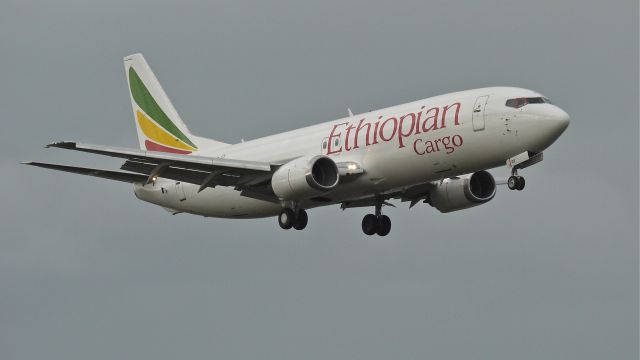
520,102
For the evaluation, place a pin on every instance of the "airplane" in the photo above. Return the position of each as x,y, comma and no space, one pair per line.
435,151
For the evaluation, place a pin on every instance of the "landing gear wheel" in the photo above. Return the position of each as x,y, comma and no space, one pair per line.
369,224
512,182
516,182
384,225
301,219
286,218
521,183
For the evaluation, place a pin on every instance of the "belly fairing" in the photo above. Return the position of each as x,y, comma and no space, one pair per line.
223,202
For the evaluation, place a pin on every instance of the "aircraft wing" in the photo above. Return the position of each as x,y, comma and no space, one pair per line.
414,194
105,174
199,162
251,177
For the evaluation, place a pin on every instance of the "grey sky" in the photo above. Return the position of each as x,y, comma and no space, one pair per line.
89,272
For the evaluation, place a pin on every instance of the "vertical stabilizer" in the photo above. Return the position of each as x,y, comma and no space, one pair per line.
159,126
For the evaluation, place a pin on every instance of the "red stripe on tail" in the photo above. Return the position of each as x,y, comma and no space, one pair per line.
150,145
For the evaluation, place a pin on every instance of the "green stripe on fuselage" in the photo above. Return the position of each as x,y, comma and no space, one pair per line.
144,99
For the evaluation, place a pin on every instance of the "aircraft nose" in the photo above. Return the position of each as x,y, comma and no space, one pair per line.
550,123
558,120
562,118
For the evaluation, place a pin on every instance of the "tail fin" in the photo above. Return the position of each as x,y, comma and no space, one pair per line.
159,126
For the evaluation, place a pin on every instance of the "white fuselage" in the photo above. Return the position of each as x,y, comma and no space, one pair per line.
398,147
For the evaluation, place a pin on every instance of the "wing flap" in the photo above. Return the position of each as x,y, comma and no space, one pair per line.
223,177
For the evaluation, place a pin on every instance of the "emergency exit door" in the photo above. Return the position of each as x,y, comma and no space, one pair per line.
478,112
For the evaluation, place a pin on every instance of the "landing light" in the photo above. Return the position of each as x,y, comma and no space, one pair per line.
349,168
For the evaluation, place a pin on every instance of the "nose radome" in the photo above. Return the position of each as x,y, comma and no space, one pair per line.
562,118
559,118
550,122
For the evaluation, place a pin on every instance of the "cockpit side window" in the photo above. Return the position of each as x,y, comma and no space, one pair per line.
516,103
520,102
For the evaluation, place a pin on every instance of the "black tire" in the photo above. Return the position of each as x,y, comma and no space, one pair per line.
286,218
301,220
513,182
521,183
384,225
369,224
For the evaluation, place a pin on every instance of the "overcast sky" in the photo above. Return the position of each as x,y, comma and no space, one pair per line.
87,271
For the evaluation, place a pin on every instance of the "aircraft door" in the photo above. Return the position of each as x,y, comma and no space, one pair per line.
478,112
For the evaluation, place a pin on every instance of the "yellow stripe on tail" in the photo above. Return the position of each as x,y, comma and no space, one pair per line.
159,135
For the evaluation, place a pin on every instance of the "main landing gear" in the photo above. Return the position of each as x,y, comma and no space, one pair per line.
293,219
376,224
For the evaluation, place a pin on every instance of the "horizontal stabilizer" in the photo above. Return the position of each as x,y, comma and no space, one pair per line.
105,174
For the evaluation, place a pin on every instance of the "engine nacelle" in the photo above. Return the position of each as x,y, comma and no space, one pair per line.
305,177
463,192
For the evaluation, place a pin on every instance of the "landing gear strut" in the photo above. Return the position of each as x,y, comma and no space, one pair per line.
293,219
376,224
521,161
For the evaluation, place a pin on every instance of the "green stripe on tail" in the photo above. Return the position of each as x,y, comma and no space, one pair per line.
147,103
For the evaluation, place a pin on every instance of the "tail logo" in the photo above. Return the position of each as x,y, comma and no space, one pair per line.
162,133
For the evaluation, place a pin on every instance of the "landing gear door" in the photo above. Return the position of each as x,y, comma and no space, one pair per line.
478,112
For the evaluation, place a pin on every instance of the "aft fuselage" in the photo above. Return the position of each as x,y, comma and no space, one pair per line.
399,147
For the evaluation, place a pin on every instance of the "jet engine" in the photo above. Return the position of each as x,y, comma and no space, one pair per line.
463,192
305,177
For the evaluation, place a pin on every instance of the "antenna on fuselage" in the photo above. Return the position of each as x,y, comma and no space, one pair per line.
350,112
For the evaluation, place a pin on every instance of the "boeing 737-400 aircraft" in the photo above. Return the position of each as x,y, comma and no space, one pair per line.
434,151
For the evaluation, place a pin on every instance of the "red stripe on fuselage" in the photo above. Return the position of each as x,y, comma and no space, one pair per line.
150,145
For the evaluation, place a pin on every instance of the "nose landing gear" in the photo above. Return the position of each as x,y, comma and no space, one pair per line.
376,224
516,182
521,161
